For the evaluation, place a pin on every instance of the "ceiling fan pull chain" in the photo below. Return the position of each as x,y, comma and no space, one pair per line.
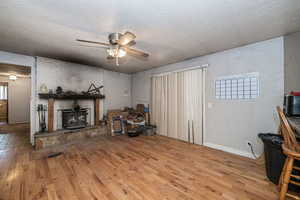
117,61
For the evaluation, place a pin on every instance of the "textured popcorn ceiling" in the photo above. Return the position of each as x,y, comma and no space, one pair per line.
169,30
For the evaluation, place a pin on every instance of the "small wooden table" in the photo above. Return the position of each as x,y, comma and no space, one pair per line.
295,124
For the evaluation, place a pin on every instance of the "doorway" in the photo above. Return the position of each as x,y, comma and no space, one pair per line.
3,103
15,97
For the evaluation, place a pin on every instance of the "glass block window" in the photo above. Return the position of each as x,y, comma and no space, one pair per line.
237,87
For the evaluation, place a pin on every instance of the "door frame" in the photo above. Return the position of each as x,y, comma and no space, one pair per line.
3,83
27,61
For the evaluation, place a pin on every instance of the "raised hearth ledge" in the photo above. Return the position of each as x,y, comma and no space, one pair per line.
64,131
44,140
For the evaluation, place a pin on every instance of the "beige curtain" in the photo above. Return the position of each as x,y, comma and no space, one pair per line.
194,85
172,106
160,110
177,105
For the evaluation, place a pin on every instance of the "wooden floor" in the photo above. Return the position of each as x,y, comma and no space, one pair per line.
117,168
14,137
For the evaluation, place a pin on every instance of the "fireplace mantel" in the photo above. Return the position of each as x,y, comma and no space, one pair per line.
52,97
70,96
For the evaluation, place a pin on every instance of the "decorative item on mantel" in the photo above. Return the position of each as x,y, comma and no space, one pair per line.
92,93
93,89
43,88
59,90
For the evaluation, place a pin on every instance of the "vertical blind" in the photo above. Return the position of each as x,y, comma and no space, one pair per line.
177,105
3,92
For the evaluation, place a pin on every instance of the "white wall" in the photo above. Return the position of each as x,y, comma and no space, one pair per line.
292,62
230,124
69,76
19,93
117,90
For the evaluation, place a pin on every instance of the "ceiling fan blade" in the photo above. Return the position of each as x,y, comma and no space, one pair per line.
93,42
136,52
97,47
131,43
126,38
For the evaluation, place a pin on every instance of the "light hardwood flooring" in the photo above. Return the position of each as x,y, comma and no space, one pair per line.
14,137
145,167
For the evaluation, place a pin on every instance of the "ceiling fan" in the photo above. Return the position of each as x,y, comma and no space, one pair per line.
119,45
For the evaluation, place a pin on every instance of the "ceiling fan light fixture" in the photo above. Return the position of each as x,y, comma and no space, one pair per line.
121,52
112,51
119,46
116,52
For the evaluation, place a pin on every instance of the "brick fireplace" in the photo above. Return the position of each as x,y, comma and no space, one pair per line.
73,120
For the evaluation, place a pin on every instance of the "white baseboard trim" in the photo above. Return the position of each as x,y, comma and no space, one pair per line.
229,150
14,123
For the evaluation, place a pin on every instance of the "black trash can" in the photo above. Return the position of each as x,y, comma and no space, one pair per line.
274,158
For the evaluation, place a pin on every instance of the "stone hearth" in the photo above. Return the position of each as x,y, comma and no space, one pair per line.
65,136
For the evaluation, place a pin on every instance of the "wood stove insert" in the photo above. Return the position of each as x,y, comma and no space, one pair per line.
74,118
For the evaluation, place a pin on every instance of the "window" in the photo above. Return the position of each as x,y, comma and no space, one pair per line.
3,92
245,86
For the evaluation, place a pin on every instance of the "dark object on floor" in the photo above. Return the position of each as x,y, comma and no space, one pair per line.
149,130
135,131
274,157
55,154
